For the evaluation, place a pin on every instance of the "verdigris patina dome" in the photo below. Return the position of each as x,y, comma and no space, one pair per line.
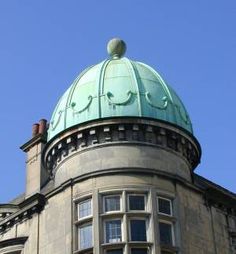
118,87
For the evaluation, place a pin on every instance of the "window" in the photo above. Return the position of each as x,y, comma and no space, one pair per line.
84,208
112,203
233,241
166,233
113,231
138,230
164,206
85,237
137,202
139,251
115,251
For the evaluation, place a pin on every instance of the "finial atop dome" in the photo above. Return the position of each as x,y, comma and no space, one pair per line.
116,48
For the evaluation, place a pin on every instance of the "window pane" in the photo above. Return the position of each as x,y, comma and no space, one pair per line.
233,240
138,251
84,208
136,202
164,206
112,203
113,231
165,233
85,237
138,230
118,251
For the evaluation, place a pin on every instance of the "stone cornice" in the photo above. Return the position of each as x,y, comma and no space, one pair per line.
33,204
125,131
13,241
38,138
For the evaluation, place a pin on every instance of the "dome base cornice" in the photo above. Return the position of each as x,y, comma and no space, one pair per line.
121,131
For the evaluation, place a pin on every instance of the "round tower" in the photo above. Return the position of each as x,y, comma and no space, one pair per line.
122,138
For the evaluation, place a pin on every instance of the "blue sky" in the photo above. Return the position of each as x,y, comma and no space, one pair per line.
45,44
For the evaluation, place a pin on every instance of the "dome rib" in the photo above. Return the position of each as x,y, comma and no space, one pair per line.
137,84
100,83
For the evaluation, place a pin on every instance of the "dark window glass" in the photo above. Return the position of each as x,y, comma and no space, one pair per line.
165,233
233,240
118,251
136,202
85,208
112,203
164,206
113,231
138,230
139,251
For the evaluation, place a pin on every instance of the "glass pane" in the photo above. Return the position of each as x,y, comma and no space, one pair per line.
139,251
85,208
165,233
118,251
112,203
85,237
136,202
113,231
233,240
138,230
164,206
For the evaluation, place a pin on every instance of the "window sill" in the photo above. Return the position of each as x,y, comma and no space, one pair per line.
138,214
139,243
166,217
166,247
112,214
84,220
107,245
89,250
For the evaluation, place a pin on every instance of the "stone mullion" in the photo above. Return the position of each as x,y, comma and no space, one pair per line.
154,222
125,223
96,221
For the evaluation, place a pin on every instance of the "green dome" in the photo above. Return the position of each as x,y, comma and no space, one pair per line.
118,87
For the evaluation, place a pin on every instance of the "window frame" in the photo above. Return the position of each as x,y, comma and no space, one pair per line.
104,203
77,208
141,247
104,230
146,228
78,236
136,194
171,206
115,248
172,232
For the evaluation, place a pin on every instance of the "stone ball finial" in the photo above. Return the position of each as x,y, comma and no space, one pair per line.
116,48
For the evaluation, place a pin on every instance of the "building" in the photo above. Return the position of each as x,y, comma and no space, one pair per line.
113,173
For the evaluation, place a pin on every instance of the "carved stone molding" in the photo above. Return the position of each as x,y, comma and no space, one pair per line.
122,131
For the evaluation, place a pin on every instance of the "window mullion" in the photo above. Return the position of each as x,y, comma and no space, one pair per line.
154,225
125,222
96,226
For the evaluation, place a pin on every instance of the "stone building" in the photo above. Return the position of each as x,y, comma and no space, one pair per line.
113,173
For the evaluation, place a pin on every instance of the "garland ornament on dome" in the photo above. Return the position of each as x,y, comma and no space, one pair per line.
73,104
53,124
129,93
161,107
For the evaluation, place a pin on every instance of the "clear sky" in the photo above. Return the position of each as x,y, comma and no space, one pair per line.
45,44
